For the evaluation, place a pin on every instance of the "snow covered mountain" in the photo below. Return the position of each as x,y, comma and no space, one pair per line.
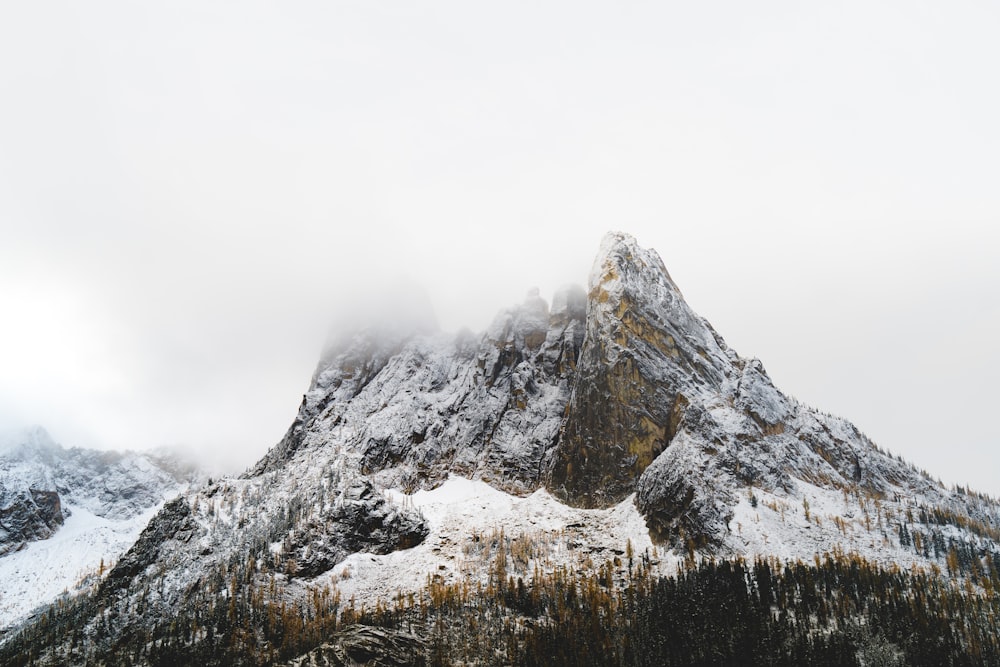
65,511
619,390
615,422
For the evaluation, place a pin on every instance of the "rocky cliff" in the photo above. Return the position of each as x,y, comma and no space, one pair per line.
644,352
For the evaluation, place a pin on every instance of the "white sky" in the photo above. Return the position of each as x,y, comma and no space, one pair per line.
190,191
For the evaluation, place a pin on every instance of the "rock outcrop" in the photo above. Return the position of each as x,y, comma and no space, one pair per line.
173,522
27,515
366,646
644,350
360,520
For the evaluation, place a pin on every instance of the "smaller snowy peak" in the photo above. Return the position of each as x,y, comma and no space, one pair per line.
42,482
376,327
484,406
621,260
119,485
369,332
66,514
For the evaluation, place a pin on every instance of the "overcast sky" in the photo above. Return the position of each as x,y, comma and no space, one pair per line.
190,192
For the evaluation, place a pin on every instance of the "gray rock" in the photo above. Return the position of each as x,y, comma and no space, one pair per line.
366,646
173,522
361,520
643,348
27,515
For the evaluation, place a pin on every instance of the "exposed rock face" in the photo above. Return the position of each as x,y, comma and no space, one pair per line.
360,520
414,409
173,522
28,515
49,507
643,348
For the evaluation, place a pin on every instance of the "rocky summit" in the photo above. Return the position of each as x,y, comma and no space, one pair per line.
617,390
611,433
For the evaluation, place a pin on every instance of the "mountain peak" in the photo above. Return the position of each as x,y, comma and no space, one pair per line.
643,351
621,402
621,263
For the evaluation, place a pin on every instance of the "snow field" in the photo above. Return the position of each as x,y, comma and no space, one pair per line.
42,571
466,518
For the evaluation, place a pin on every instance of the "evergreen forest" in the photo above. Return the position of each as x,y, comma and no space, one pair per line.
837,610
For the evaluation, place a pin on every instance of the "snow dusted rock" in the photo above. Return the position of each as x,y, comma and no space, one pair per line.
27,515
366,645
65,513
415,407
173,522
30,508
618,390
644,351
355,353
360,520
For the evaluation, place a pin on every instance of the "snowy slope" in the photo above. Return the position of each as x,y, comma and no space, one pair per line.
465,516
68,561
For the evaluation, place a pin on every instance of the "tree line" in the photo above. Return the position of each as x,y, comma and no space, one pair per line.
839,609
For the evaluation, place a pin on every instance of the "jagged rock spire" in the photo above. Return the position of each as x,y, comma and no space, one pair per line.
644,349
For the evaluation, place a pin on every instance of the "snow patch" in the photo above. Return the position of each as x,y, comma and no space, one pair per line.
464,515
